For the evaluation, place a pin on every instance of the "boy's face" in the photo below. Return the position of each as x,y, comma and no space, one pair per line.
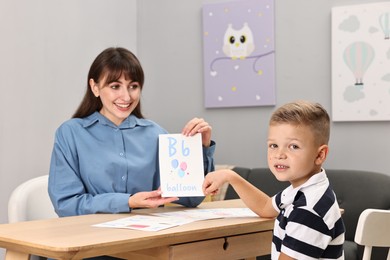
293,153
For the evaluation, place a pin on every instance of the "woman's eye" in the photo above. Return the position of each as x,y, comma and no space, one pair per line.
135,86
114,86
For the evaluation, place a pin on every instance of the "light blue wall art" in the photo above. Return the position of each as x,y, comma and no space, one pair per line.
361,62
239,53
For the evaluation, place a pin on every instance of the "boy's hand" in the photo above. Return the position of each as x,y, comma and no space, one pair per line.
213,181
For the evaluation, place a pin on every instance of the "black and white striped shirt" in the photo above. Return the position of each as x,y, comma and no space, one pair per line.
309,224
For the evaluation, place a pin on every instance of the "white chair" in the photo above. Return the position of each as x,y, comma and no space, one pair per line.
30,201
373,229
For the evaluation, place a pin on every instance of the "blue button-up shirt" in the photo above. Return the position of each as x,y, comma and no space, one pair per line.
96,165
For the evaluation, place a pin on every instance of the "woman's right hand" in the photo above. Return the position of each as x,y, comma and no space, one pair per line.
149,199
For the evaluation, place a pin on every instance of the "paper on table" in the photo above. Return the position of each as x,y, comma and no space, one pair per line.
145,223
181,165
214,213
160,221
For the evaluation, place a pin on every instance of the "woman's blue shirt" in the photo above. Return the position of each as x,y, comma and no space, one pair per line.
96,165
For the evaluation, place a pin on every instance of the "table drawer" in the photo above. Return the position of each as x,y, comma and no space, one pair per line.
233,247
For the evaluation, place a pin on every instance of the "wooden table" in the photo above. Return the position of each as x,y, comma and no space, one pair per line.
76,238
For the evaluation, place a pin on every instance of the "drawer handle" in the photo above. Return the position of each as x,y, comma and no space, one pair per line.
225,244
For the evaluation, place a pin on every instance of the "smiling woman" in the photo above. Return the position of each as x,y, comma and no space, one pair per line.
119,70
105,159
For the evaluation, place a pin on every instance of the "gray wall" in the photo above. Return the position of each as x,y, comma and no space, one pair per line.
46,49
170,47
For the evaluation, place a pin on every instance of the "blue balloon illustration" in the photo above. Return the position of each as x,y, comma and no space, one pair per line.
181,173
175,163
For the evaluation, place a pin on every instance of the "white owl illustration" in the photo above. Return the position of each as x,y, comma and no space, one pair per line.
238,43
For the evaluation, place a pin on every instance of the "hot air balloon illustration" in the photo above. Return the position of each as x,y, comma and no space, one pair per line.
384,21
358,57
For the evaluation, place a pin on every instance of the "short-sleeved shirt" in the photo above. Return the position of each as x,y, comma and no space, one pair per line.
309,224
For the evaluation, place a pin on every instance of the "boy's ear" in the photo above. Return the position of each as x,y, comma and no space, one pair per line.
322,154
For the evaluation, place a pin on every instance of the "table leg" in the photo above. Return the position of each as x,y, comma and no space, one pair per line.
14,255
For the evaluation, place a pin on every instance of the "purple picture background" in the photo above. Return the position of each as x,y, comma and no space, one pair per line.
238,83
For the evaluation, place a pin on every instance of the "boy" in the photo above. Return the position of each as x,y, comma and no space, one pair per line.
308,222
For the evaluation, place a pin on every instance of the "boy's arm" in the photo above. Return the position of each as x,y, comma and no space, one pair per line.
283,256
255,199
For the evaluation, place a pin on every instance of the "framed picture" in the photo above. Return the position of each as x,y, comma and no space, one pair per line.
239,53
361,62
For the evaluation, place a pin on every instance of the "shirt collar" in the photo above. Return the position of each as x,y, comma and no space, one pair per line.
288,195
130,122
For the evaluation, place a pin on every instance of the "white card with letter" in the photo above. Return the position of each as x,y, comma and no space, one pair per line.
181,165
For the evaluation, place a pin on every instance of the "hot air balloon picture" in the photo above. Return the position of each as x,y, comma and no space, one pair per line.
358,56
361,62
384,22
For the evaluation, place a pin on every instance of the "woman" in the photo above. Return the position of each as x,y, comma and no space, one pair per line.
105,159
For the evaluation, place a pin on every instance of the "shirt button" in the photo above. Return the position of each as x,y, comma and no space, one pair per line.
121,154
123,178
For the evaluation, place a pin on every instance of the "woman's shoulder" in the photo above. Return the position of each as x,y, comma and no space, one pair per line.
71,123
70,126
80,122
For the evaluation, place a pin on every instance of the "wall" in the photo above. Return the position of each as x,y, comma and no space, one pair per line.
170,47
46,49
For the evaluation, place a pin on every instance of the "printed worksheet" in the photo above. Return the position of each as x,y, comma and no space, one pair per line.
181,165
145,223
205,214
164,220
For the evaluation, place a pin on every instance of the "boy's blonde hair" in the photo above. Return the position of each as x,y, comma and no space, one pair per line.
304,113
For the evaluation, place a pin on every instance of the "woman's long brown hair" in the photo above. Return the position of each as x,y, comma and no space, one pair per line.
110,64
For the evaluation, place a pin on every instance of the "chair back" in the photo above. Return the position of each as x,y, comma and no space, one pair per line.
373,230
31,201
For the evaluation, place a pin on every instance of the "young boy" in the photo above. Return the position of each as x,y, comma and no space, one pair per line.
308,222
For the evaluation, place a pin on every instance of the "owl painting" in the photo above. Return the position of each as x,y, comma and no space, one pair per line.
239,53
238,44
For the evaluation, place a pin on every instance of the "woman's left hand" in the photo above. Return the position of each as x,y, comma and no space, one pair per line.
198,125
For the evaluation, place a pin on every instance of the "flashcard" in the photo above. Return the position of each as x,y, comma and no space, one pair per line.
181,165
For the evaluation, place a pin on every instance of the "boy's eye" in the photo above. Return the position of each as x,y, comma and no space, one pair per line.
272,146
294,146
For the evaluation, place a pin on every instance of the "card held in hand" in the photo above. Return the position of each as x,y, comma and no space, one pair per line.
181,165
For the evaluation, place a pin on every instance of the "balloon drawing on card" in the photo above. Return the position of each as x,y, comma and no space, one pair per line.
181,165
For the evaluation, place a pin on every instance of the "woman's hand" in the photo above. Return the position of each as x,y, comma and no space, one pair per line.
149,199
198,125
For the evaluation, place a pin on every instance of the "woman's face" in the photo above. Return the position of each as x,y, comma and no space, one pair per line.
119,98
